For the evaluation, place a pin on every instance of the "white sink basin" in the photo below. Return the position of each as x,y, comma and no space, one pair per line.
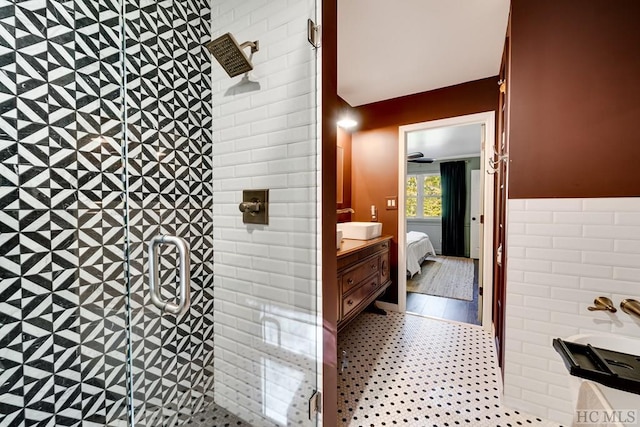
618,399
338,238
360,230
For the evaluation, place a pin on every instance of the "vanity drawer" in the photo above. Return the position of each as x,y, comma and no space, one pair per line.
353,277
354,299
382,246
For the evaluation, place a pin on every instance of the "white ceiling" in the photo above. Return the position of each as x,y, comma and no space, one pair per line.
447,143
393,48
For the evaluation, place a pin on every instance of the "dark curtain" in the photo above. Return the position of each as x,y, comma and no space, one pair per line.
454,196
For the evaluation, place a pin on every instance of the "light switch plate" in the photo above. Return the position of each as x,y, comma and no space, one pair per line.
391,203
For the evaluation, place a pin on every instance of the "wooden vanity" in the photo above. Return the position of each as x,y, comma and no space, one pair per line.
363,275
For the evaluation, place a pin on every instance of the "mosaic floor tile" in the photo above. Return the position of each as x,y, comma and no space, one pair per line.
404,369
216,416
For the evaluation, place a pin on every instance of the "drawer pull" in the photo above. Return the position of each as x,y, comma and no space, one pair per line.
373,284
384,245
350,302
374,266
350,281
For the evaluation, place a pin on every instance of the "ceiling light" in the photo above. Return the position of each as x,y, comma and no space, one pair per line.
347,123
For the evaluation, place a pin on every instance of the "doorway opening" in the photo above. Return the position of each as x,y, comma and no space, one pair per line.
456,287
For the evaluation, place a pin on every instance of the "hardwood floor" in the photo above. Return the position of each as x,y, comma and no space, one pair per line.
447,308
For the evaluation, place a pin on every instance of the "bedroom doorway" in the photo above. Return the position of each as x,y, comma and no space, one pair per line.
446,156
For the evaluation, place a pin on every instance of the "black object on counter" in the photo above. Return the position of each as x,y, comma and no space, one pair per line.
611,368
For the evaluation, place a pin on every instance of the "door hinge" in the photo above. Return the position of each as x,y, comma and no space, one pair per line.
480,291
313,33
481,219
315,404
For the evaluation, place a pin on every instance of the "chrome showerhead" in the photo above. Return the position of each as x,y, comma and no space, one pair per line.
229,54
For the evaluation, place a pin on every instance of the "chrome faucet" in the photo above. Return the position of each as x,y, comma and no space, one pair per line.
345,210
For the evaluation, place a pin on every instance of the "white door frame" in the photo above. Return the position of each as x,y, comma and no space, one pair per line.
486,199
475,227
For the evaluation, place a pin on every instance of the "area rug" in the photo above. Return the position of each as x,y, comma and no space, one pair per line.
442,276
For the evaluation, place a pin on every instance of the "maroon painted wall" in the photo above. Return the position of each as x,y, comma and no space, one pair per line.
374,175
466,98
574,95
375,147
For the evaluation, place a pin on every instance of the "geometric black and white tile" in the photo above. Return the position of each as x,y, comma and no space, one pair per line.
416,371
90,170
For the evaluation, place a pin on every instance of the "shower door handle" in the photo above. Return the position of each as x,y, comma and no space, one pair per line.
184,297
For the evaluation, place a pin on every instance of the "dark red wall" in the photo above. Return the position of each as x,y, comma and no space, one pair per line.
375,146
574,94
466,98
374,176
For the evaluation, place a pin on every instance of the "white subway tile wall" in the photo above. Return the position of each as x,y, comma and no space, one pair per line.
265,281
563,253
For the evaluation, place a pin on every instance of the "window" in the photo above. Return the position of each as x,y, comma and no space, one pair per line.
423,191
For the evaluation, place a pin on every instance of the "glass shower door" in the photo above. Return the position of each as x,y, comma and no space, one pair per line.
248,341
170,196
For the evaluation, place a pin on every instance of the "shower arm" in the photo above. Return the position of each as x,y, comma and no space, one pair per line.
255,46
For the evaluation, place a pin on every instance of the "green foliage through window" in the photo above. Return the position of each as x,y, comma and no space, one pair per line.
412,186
424,190
432,202
412,206
432,185
412,196
432,206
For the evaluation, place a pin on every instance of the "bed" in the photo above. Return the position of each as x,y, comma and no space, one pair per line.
418,248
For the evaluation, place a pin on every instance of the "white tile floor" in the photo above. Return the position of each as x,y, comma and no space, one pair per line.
416,371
